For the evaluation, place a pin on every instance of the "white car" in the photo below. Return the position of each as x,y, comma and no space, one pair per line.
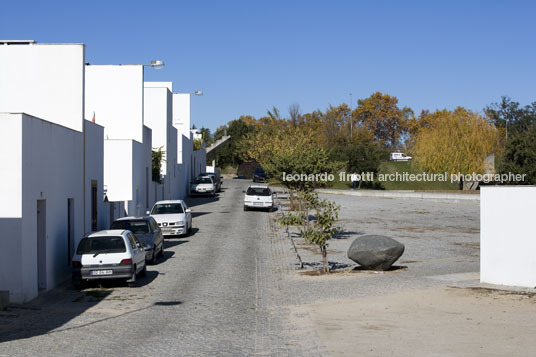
398,156
173,217
259,196
108,254
203,185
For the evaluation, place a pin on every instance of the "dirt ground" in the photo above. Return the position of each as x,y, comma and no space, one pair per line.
432,322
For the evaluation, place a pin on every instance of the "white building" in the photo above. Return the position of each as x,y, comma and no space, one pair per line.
158,108
190,162
49,166
115,98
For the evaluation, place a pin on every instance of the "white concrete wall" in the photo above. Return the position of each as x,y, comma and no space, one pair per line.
181,121
44,80
118,169
51,165
10,166
94,152
508,235
115,95
11,204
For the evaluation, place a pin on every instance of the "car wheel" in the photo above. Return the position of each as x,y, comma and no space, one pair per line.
153,258
161,253
190,228
245,208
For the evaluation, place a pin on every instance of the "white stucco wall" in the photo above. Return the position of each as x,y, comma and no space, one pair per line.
118,169
52,170
158,115
44,80
94,151
115,95
507,235
181,121
11,203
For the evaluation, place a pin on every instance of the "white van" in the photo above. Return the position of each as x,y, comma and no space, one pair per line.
398,156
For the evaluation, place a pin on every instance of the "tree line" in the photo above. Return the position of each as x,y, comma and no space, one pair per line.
453,141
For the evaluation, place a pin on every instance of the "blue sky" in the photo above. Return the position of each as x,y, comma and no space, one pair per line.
250,55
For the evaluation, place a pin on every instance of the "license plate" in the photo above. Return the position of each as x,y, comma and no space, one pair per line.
101,272
257,203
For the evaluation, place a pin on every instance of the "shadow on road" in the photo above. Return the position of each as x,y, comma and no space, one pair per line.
199,214
201,200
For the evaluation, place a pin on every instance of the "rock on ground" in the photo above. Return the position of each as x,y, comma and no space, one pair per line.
375,252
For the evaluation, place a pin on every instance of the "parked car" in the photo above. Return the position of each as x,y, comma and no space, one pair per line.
258,196
148,233
398,156
203,185
215,176
259,175
108,254
173,217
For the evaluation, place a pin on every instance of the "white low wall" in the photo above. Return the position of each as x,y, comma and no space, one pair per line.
507,235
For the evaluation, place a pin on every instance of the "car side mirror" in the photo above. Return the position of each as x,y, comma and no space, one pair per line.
243,191
188,211
148,212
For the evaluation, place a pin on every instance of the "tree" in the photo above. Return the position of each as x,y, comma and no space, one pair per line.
519,126
232,153
291,150
455,142
206,136
294,113
157,159
382,116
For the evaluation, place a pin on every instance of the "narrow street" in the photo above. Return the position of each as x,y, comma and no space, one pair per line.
212,294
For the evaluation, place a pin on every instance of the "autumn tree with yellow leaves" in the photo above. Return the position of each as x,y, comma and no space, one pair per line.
455,141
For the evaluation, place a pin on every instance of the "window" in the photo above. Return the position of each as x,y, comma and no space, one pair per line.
106,244
259,191
166,208
135,226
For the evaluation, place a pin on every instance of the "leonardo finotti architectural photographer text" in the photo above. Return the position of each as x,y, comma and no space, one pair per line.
406,176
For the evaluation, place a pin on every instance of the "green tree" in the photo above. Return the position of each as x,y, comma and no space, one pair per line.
519,127
382,116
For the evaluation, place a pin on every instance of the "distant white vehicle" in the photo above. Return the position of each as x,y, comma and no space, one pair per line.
203,185
258,196
398,156
173,217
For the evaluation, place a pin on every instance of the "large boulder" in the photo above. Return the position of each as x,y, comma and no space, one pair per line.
375,252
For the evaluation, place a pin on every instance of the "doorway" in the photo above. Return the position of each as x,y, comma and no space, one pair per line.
41,244
70,229
93,206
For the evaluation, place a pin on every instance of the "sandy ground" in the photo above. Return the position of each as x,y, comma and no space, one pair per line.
434,322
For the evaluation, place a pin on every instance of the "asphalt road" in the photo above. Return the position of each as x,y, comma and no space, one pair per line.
210,295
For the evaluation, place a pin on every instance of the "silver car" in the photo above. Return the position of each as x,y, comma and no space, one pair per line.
148,233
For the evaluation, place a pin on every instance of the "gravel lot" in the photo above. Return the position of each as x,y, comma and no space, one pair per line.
441,241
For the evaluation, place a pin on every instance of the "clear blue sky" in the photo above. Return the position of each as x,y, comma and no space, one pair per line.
250,55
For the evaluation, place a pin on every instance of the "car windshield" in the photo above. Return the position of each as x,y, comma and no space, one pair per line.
106,244
258,191
202,180
259,170
136,227
166,208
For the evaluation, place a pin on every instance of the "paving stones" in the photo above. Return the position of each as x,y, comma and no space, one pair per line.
375,252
